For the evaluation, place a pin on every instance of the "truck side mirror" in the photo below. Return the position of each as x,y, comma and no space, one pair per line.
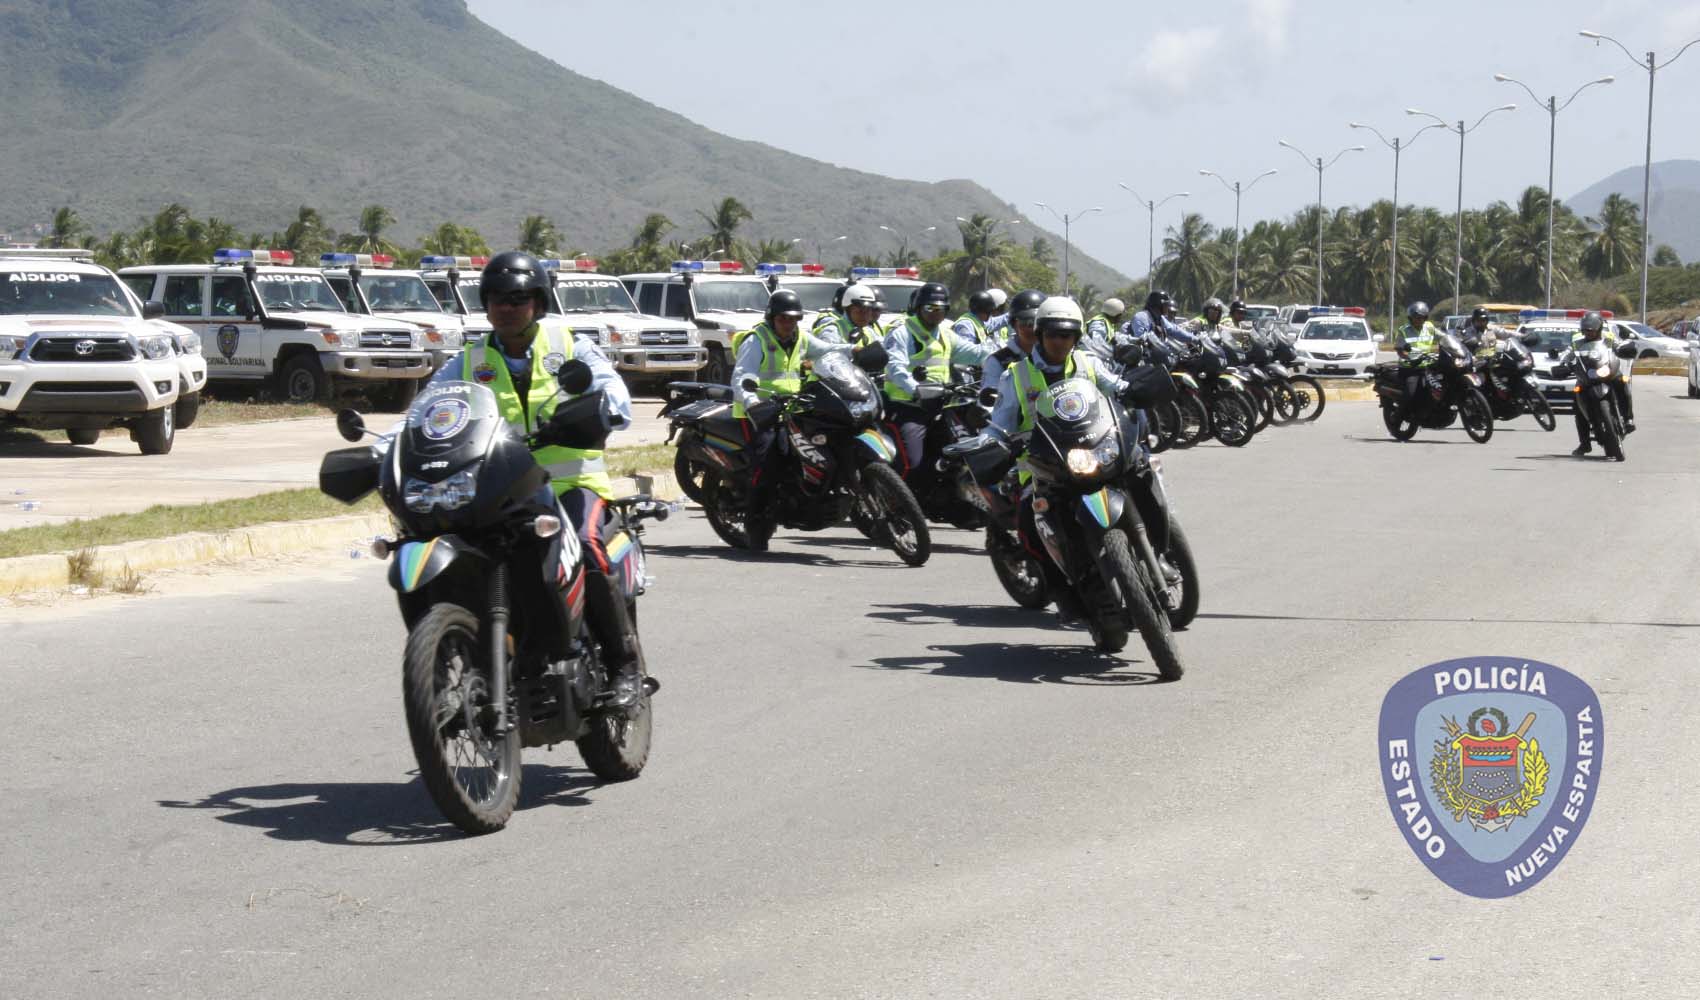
153,309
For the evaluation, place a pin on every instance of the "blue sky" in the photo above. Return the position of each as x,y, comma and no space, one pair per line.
1060,102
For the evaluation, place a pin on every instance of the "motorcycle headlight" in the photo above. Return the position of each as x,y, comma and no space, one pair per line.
1084,461
156,348
452,493
1603,371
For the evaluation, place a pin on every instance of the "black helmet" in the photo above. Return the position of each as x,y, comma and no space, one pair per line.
514,271
838,296
1158,301
1212,303
1236,306
981,302
1025,305
1478,313
1418,310
930,294
1592,322
784,303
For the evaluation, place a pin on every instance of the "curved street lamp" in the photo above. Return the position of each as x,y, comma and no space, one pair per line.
1393,250
1458,256
1151,228
1236,188
1319,166
1066,219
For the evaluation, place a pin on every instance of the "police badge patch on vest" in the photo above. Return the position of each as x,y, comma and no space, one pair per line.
1491,765
484,374
552,362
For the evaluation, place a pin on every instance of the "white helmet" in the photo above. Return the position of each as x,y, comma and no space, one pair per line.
859,294
1114,307
999,298
1059,313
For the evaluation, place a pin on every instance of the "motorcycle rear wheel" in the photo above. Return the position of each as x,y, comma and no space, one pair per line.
897,509
1153,626
617,746
1232,420
472,775
689,472
1022,577
1311,398
1476,416
1179,554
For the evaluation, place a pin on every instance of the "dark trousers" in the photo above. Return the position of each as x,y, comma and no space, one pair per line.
606,612
912,423
766,464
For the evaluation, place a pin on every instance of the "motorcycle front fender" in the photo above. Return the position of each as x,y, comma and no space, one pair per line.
1099,512
416,564
878,445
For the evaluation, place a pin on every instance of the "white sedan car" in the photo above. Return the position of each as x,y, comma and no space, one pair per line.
1649,343
1336,343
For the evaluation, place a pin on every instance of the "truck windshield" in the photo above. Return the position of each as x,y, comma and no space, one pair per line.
470,295
66,293
731,296
593,295
815,295
398,293
286,291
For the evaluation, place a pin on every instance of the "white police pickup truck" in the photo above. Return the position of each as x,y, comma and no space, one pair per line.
641,347
263,320
715,295
80,353
454,281
370,285
814,289
895,286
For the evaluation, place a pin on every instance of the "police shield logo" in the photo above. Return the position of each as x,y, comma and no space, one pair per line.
552,362
445,418
484,374
1491,765
229,338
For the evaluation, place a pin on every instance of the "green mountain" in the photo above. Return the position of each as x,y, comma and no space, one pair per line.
247,109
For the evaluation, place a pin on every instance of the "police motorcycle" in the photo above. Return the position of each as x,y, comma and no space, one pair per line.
1223,395
1595,366
1094,491
838,464
1273,353
1272,400
1179,421
957,413
1448,389
1508,381
490,580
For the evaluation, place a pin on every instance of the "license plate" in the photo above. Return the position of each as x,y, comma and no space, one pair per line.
1333,369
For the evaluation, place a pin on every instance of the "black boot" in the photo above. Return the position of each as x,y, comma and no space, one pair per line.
611,624
1583,449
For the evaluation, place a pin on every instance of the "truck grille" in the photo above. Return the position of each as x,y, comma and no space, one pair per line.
1320,356
651,338
380,339
595,334
66,349
79,388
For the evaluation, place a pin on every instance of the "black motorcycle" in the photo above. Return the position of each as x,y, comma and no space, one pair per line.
1595,369
955,413
838,460
491,584
1508,382
1093,493
1275,355
1448,389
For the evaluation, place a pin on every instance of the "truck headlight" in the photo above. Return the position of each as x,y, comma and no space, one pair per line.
452,493
12,347
347,339
155,348
190,343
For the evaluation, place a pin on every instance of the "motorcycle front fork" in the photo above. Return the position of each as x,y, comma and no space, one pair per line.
497,602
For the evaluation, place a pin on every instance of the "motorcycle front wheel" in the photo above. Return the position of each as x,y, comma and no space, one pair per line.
1195,420
895,507
1539,408
1022,577
1476,416
1401,430
1153,625
1232,420
1310,399
471,774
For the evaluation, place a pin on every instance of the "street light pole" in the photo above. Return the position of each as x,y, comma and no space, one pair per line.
1151,229
1393,248
902,240
818,252
1066,219
1458,257
1236,189
1319,167
985,272
1652,66
1552,108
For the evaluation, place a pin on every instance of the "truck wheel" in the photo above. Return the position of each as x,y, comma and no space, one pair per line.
188,407
717,370
83,435
156,431
303,381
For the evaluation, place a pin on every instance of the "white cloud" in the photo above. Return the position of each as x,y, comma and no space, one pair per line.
1172,58
1269,20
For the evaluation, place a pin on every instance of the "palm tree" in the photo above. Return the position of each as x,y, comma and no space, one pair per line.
1191,268
772,251
374,220
1276,262
1042,251
1087,296
648,253
539,237
986,258
903,256
454,240
307,235
68,229
1615,239
723,223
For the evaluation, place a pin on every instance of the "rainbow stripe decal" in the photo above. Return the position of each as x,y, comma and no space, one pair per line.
412,559
618,545
722,443
878,444
1098,504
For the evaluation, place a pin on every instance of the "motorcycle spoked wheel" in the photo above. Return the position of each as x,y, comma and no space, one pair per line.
1540,409
1195,421
1401,430
1476,416
1179,555
1262,405
866,521
1286,402
724,508
1231,419
617,746
1165,420
1022,577
895,507
1311,399
1606,430
472,775
1153,625
689,472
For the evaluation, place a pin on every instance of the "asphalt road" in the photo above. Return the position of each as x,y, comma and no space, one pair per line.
876,781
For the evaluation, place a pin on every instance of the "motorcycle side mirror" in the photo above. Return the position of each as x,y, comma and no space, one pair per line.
920,373
1626,350
989,396
574,377
350,425
871,358
749,385
1379,338
1530,339
1128,354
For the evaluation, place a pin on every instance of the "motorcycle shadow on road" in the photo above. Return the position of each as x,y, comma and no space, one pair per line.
1078,665
372,813
726,553
858,542
972,615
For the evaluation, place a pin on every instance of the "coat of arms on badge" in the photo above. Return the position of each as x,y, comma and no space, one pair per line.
229,338
553,361
1486,778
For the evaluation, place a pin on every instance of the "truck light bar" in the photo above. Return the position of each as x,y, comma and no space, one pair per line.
1532,314
437,262
885,272
356,260
769,268
1336,311
231,255
708,266
576,264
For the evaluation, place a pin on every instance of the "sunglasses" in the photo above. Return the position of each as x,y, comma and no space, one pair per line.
511,299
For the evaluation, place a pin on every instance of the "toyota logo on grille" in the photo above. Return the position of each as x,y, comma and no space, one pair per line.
387,341
85,347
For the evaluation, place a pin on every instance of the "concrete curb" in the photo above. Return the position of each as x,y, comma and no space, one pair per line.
51,571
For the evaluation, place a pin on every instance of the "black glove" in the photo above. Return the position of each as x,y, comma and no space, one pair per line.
930,392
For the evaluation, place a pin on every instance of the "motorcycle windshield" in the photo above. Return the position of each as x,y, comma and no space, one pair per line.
848,381
449,423
1073,414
